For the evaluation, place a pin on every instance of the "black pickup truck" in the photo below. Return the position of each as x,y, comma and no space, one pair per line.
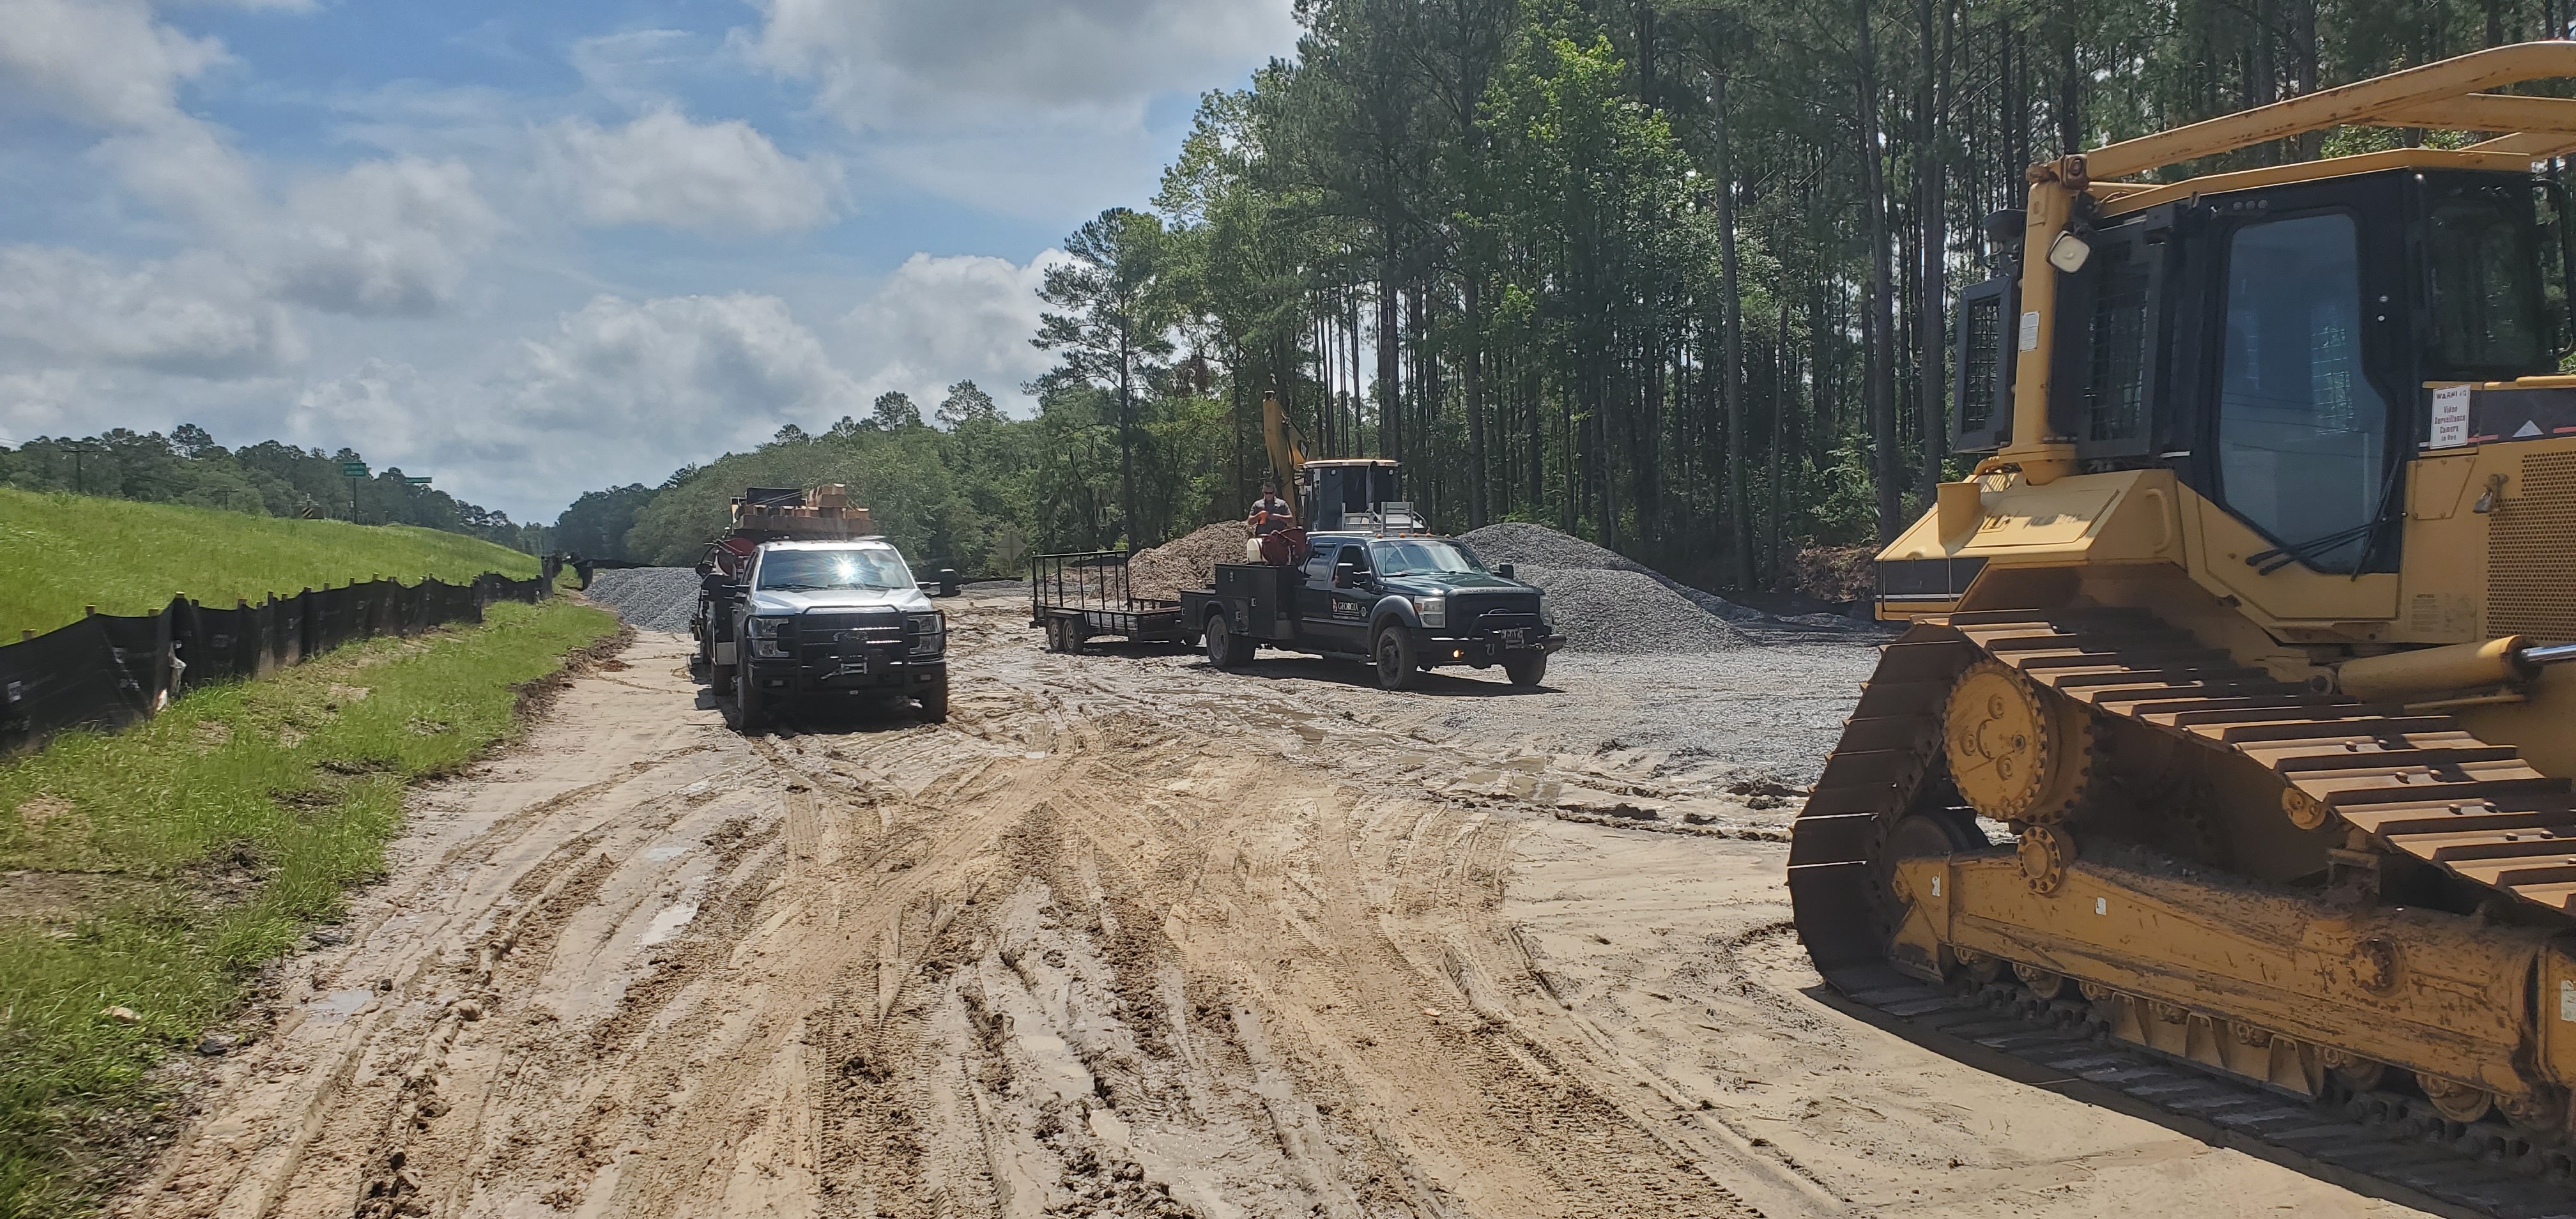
1402,604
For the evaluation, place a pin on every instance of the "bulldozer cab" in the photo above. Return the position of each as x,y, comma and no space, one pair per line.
2274,336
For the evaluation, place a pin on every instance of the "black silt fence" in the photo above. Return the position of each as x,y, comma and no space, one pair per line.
108,671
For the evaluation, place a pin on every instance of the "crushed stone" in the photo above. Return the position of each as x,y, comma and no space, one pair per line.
1627,611
649,598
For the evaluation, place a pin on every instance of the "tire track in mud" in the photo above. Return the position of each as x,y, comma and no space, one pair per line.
1112,942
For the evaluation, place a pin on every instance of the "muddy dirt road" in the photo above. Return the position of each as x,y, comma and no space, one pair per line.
1126,937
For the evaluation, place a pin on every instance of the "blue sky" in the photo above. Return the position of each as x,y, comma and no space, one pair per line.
534,249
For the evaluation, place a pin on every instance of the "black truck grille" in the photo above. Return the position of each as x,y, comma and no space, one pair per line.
1493,611
829,635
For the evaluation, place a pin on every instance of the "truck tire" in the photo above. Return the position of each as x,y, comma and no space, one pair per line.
1527,670
1393,649
751,709
1225,649
934,704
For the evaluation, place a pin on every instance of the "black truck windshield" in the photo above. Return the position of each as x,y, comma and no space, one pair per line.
876,568
1421,558
2484,266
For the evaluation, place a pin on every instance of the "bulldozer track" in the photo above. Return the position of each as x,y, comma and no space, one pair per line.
2418,784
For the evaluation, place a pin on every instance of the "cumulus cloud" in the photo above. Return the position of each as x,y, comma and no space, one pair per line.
936,321
383,238
662,169
198,315
941,62
104,63
678,374
1015,105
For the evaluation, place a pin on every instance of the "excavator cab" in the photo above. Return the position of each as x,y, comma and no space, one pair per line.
2237,712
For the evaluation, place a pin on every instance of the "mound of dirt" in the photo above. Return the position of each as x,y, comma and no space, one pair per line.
1627,611
1833,573
1160,573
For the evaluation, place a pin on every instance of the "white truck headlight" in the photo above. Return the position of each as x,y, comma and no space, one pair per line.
764,636
1434,611
929,633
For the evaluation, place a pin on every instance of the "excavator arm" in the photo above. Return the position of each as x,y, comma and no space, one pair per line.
1287,451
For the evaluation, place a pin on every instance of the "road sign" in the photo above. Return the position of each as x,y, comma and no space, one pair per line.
353,469
418,480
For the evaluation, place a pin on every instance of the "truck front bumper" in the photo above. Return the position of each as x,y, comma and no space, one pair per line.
906,675
1483,649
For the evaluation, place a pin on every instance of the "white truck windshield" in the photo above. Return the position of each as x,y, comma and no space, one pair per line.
876,568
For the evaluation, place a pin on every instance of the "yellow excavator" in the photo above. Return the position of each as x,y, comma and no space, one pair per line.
2237,711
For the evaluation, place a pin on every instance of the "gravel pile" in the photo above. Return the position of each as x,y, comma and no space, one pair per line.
1524,544
1627,611
1159,574
649,598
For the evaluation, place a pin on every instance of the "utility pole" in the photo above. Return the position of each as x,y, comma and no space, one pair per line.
79,449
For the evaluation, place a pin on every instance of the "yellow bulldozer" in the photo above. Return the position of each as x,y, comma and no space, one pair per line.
2236,713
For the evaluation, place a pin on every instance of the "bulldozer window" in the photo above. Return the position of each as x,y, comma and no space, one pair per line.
2483,268
2302,434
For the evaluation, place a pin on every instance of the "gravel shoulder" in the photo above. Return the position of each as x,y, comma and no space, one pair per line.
1129,936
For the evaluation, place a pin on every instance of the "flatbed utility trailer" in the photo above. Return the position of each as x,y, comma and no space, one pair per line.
1078,597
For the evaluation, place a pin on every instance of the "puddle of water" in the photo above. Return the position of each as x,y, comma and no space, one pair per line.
668,923
341,1004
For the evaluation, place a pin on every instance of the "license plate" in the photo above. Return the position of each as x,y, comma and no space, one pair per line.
870,664
1516,636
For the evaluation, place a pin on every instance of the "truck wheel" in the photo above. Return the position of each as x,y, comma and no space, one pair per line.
1527,670
1222,649
751,715
1394,652
934,704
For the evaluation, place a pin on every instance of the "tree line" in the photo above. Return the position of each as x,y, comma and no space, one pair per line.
1667,274
269,478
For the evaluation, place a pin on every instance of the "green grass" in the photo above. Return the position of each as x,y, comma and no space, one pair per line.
201,845
64,552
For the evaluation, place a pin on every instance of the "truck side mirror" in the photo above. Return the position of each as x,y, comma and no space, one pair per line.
715,583
948,581
1505,571
1345,574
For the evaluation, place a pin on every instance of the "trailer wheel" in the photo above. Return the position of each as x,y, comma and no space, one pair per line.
1224,649
1055,635
1394,652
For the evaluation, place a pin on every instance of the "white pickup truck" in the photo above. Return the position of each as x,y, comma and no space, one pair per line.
807,623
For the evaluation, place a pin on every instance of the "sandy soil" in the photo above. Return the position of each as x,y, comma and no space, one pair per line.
1126,937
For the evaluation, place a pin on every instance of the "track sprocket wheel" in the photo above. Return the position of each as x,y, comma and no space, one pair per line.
2017,752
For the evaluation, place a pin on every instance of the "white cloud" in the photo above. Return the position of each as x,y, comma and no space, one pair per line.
663,169
198,315
104,63
383,237
942,62
1015,106
623,387
937,321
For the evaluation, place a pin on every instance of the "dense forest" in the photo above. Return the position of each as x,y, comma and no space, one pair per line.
1670,275
263,479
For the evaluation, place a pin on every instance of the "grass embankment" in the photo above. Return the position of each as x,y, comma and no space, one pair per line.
64,552
157,869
